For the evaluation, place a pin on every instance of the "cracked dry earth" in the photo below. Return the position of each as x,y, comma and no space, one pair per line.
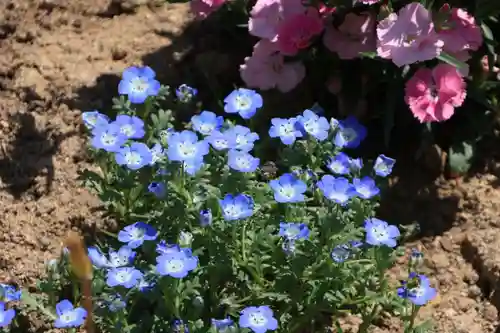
58,58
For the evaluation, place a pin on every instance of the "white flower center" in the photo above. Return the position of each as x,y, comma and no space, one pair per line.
287,191
336,167
175,265
242,162
286,129
68,316
127,130
187,149
363,190
348,134
232,210
311,126
417,292
221,143
108,139
122,276
257,319
137,233
292,232
132,158
139,85
206,128
243,102
118,260
380,233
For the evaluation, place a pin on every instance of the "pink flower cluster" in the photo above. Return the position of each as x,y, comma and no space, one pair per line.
203,8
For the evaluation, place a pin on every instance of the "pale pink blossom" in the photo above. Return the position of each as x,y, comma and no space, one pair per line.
356,34
433,94
295,33
408,37
203,8
458,30
266,69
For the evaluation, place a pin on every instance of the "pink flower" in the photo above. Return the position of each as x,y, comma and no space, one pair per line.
368,2
458,30
266,16
433,94
356,34
266,69
203,8
408,37
296,32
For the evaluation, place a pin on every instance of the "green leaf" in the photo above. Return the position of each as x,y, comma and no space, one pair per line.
460,156
449,59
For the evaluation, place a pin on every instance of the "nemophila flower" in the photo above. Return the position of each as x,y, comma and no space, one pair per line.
138,83
243,101
408,36
185,93
343,252
383,165
9,293
203,8
68,315
458,30
420,294
266,68
379,232
259,319
365,187
340,164
184,146
218,140
288,188
135,156
416,257
108,138
297,32
236,207
178,326
294,231
242,161
145,284
285,129
241,138
130,126
338,190
205,217
157,153
164,248
93,119
135,234
176,264
127,277
6,316
433,94
206,122
158,189
123,257
314,125
191,167
356,164
350,133
97,258
222,324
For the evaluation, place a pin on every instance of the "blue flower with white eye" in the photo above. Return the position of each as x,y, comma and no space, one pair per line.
127,277
9,293
293,231
243,101
68,315
236,207
138,83
288,188
314,125
123,257
108,137
176,264
185,146
94,119
130,126
135,156
221,325
145,284
218,140
97,258
350,133
6,316
285,129
185,93
158,189
356,164
379,232
340,164
420,294
343,252
259,319
191,167
383,165
241,138
205,217
206,122
365,187
135,234
157,153
338,190
242,161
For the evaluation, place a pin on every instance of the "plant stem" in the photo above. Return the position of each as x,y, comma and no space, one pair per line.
413,316
243,238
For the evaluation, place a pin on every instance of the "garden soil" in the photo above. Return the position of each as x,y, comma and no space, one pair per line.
59,58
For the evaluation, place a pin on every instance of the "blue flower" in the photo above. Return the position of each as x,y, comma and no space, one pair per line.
97,258
94,119
184,146
343,252
68,315
416,257
314,125
218,140
176,264
157,153
9,293
259,319
123,257
158,189
138,83
222,324
365,187
356,164
185,93
191,167
285,129
145,284
127,277
135,234
293,231
350,133
108,138
243,101
340,164
242,161
6,316
420,294
379,232
338,190
205,217
288,188
130,126
134,156
207,122
241,138
236,207
383,165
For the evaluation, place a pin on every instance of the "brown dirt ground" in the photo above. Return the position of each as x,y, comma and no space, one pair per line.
59,57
